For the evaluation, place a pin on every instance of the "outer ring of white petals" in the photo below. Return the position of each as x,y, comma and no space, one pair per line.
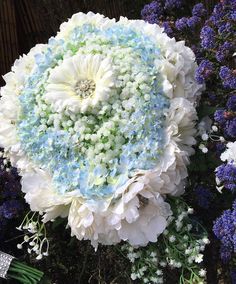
126,220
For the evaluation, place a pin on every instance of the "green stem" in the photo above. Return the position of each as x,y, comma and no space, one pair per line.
21,279
27,268
25,273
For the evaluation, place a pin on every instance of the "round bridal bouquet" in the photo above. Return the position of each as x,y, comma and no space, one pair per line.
100,124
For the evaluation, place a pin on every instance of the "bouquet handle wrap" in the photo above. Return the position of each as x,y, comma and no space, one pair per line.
5,262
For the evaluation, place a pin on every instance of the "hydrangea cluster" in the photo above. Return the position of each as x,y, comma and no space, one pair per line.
100,124
225,230
181,248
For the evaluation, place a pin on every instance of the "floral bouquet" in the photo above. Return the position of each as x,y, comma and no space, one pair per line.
100,125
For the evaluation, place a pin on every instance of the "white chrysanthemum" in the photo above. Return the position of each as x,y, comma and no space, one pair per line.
110,81
79,82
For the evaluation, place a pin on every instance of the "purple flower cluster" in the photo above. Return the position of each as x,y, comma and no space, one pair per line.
181,24
208,37
203,196
224,10
199,10
11,204
224,52
218,40
226,173
204,71
228,77
225,230
173,4
151,12
158,10
226,118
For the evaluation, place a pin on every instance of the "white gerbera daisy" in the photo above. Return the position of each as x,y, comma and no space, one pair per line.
80,82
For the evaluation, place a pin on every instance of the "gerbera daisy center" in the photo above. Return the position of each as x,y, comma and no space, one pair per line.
85,88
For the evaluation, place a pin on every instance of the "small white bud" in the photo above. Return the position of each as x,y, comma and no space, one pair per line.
205,137
19,246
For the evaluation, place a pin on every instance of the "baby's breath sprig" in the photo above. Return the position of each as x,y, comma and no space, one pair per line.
35,236
180,247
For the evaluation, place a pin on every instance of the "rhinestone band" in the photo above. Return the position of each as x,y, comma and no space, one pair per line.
5,262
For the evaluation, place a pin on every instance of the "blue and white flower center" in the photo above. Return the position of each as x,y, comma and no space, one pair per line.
85,88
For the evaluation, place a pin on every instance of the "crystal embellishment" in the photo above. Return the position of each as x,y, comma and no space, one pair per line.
5,262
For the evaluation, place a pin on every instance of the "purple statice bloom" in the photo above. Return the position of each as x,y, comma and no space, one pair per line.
217,14
219,148
207,37
199,53
11,208
152,19
199,10
193,22
225,28
231,103
219,117
204,71
167,27
173,4
230,127
228,77
232,16
204,196
224,51
226,173
152,10
225,254
225,230
181,24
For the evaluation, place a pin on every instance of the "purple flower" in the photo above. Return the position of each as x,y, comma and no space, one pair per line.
207,37
224,51
203,196
218,14
204,71
225,253
230,127
226,173
173,4
167,27
225,230
220,117
199,10
231,103
219,148
11,208
225,28
232,16
193,22
181,24
152,11
228,77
